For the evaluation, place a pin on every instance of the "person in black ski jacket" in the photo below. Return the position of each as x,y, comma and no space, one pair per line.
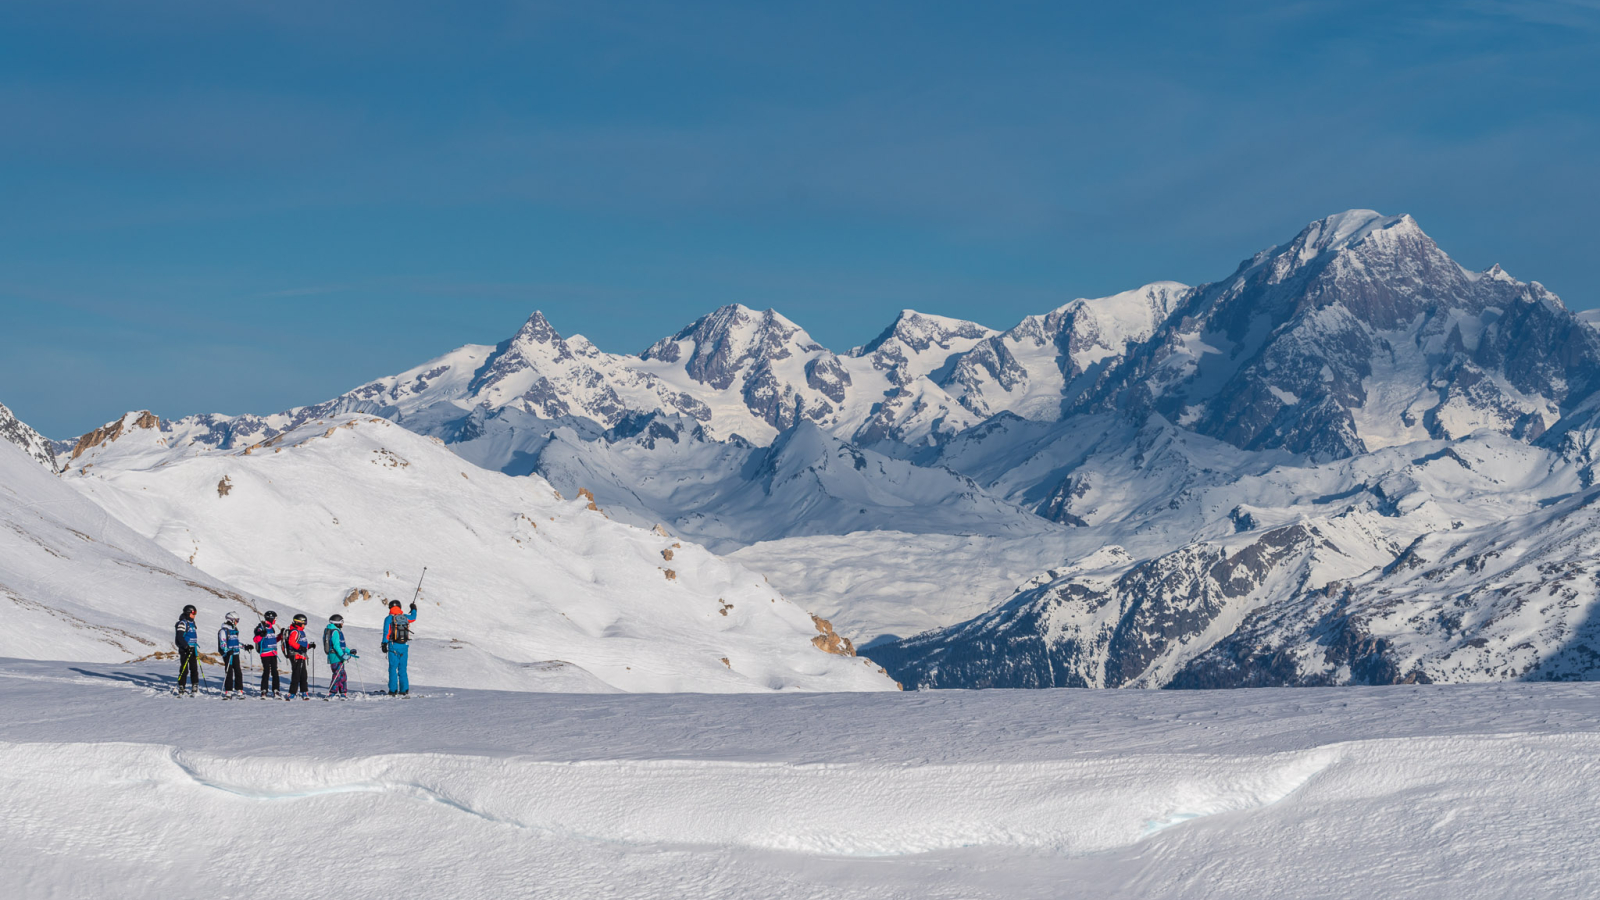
187,640
298,646
266,641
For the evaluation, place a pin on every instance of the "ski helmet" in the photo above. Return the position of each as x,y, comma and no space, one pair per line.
394,604
299,618
270,616
189,611
231,618
336,619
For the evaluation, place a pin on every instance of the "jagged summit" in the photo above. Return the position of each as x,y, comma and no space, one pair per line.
537,330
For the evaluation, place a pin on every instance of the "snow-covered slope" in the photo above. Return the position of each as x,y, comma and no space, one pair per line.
32,442
76,583
340,515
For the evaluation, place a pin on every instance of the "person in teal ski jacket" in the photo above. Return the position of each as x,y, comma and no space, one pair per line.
333,644
396,639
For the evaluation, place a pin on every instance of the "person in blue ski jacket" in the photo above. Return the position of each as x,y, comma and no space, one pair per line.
228,648
333,644
187,640
396,638
266,640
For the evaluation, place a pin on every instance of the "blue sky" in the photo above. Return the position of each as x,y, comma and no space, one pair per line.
241,207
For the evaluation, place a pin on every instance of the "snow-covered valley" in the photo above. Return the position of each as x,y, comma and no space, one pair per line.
1414,791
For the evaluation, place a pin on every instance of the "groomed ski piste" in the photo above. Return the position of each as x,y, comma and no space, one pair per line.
114,788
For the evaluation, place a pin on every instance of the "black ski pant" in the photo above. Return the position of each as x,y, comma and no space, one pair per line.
188,667
297,677
269,670
234,680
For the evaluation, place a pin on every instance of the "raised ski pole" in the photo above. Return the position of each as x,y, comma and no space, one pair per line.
418,592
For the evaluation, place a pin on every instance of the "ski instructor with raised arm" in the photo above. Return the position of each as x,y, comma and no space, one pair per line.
396,637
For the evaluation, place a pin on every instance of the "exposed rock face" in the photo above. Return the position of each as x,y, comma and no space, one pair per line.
829,642
32,442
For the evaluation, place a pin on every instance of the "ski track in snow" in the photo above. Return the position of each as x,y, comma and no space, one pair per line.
1414,791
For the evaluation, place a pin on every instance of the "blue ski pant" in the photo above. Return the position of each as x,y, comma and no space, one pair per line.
398,681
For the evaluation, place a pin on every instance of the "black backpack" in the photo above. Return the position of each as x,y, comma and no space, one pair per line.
399,629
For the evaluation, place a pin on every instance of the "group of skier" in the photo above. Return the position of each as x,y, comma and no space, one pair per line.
270,642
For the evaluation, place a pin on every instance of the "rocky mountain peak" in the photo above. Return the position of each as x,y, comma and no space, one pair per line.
921,331
537,330
138,420
731,340
1345,230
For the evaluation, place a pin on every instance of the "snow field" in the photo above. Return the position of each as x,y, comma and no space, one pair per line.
1403,791
872,584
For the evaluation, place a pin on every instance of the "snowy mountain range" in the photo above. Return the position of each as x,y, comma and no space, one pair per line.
1270,479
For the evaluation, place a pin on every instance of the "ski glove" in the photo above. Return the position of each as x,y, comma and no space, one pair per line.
383,647
413,606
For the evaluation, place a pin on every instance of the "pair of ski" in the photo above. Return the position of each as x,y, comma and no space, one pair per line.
240,695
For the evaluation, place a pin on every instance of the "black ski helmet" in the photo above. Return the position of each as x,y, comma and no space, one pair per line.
299,618
270,616
336,619
189,611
